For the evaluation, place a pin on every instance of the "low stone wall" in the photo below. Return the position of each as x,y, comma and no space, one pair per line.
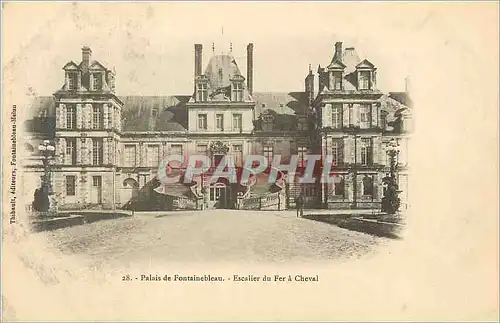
350,222
270,202
68,219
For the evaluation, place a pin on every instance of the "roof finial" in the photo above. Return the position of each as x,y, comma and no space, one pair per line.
231,47
213,47
310,68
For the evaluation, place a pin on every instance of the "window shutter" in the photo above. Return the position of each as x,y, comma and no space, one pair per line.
345,115
375,181
79,116
105,115
349,150
328,115
58,115
374,114
358,150
357,114
376,150
79,150
105,151
63,116
60,150
64,157
341,150
90,157
359,185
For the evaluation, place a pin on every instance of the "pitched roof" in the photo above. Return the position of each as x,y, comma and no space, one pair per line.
392,107
402,97
220,69
137,113
350,58
285,103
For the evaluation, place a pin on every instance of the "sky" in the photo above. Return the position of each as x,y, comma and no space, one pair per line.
151,45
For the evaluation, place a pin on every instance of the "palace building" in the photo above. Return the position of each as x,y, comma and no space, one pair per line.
108,147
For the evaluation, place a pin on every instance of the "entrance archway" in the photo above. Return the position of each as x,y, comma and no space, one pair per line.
219,195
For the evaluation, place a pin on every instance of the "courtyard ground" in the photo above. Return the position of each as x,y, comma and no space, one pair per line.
217,235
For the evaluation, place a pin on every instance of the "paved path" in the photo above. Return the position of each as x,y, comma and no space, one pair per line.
221,235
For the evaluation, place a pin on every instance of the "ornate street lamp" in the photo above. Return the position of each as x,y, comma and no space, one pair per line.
391,202
42,202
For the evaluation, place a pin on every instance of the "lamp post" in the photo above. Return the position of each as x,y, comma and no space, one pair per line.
48,151
391,201
42,202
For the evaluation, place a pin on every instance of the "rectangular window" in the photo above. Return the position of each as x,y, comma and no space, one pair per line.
268,154
130,155
202,122
71,151
237,120
366,151
368,186
202,149
219,122
202,92
70,117
337,80
155,112
337,116
176,150
72,81
153,155
365,112
364,80
70,185
97,151
337,151
237,92
97,84
238,155
96,181
96,117
302,152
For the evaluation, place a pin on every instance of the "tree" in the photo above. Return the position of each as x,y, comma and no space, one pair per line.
41,200
390,202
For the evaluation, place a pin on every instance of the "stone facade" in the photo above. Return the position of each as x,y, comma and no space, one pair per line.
108,148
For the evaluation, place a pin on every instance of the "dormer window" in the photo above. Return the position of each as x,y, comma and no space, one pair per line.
72,81
337,80
237,91
97,83
202,92
364,81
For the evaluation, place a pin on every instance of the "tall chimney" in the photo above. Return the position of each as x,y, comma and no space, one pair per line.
86,56
198,52
408,84
250,68
338,51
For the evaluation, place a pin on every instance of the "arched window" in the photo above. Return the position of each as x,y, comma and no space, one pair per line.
368,185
